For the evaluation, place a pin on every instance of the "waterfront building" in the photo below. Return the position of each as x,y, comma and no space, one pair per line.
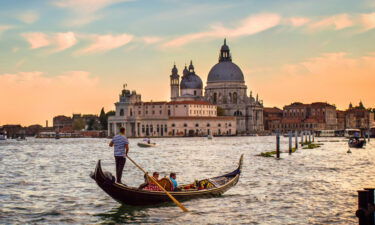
60,122
226,88
180,117
314,116
272,118
359,118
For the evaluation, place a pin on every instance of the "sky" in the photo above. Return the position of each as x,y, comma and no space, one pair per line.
59,57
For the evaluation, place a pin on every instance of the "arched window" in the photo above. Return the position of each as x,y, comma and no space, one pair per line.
208,124
235,98
173,125
185,125
215,98
219,125
195,93
237,113
121,112
230,97
197,125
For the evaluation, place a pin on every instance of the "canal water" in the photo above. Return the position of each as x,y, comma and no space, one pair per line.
46,181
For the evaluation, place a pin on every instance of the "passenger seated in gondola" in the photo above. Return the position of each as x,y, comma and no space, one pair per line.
172,177
151,185
147,140
145,183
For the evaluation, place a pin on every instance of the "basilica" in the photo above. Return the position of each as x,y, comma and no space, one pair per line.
224,108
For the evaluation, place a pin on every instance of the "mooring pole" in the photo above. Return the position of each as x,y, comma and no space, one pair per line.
290,142
371,204
296,134
278,145
302,137
368,135
310,136
313,136
362,207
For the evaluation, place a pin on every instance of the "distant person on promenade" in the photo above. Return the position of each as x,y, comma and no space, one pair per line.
121,149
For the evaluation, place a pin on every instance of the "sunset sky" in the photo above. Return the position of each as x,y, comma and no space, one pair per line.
72,56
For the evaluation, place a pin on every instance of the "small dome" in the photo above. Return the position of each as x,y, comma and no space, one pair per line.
191,81
174,69
225,71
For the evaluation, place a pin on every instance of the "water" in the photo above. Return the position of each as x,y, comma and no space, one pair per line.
47,182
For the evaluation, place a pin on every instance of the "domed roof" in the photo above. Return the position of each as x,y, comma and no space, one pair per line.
191,80
225,70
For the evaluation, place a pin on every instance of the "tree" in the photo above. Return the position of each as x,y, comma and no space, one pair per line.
90,124
79,124
361,106
350,105
103,119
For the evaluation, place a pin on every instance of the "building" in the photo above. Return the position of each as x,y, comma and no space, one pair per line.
175,118
314,116
60,122
226,88
272,118
359,118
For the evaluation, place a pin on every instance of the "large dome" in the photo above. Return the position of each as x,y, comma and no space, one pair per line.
225,71
191,81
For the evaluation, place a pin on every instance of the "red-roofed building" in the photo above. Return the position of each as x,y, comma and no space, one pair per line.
179,117
314,116
272,118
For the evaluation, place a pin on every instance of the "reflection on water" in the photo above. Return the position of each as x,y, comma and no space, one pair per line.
47,182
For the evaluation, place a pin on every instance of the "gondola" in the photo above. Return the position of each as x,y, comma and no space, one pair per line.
146,145
356,143
123,194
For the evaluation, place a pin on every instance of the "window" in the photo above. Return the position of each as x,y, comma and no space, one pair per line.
208,124
215,98
146,112
153,112
219,125
131,112
139,112
196,125
195,92
173,125
121,112
185,125
160,112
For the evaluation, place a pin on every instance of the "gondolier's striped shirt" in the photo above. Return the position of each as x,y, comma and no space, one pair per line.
119,142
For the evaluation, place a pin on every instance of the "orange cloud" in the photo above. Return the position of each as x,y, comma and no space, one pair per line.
368,20
60,41
101,43
34,97
334,77
249,26
338,22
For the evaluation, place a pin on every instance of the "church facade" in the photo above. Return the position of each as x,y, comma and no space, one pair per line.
223,109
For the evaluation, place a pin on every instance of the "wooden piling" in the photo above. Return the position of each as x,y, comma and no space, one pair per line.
296,134
302,133
290,142
368,135
309,136
365,212
313,136
278,145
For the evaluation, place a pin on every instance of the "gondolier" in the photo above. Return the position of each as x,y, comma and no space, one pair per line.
121,149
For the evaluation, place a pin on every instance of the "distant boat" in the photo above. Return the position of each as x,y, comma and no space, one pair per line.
209,137
356,143
21,139
146,145
3,137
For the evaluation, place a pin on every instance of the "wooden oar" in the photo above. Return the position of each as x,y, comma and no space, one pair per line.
161,187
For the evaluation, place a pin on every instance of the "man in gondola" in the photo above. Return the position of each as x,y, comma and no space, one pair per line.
121,149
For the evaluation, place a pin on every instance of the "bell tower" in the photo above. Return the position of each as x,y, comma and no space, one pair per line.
175,83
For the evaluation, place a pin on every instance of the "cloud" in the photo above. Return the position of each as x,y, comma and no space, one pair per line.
4,28
337,22
249,26
59,41
34,92
368,21
85,11
331,76
151,39
37,39
28,17
296,21
102,43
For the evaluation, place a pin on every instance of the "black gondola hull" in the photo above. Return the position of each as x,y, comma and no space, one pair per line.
133,196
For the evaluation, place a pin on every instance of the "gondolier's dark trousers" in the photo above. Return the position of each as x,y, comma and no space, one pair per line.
120,163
